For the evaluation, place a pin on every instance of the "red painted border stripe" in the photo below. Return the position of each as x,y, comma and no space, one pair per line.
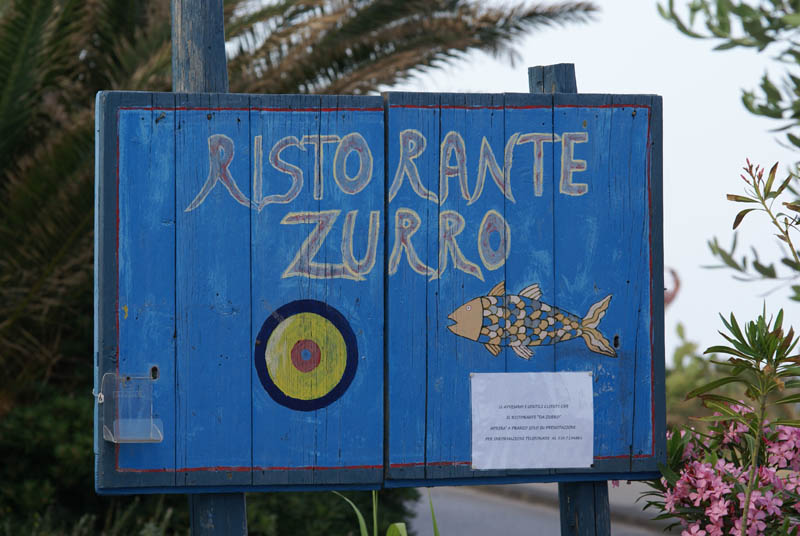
240,469
254,109
224,469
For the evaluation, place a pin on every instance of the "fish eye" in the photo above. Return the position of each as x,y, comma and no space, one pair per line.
469,308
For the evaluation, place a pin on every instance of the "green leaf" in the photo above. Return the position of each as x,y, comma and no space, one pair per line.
791,399
783,186
794,139
721,398
772,93
725,410
716,418
766,271
787,422
713,385
740,199
789,371
791,264
725,350
374,513
770,178
792,19
397,529
740,216
751,442
671,476
433,515
727,45
362,525
796,295
791,384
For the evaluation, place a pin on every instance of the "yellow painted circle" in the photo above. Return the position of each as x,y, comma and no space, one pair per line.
278,355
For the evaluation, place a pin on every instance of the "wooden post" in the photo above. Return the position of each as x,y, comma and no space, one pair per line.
198,47
217,514
584,508
199,66
584,505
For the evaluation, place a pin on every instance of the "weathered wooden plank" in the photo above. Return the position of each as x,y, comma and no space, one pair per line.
146,288
469,265
212,290
323,283
350,430
282,439
530,217
588,245
650,441
412,217
108,308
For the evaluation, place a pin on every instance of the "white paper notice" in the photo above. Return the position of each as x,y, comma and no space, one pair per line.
532,420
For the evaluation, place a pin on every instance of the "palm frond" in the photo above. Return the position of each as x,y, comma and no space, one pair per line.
350,46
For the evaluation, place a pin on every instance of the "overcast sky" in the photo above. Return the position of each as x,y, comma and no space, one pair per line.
708,134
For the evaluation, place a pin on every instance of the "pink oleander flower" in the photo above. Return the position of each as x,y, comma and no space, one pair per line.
715,529
694,530
717,510
755,525
772,504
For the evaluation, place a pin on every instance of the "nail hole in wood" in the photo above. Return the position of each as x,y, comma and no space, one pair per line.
154,372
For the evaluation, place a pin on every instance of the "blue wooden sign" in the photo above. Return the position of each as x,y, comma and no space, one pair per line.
292,291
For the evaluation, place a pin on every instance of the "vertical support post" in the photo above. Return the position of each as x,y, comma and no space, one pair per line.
217,514
199,66
198,47
584,508
584,505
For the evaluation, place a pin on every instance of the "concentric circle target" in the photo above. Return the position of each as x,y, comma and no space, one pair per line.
306,355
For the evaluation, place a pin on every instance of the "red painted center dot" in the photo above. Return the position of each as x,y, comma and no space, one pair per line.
306,355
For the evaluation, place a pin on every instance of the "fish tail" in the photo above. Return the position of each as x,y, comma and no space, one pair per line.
591,335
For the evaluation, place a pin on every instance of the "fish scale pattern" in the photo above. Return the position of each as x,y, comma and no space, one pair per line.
520,321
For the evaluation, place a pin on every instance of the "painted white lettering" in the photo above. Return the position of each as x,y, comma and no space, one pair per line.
451,223
318,142
406,223
494,258
500,176
350,144
220,156
303,264
365,265
284,167
453,145
538,139
412,144
570,165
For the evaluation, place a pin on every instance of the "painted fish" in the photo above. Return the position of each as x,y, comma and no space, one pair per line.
523,320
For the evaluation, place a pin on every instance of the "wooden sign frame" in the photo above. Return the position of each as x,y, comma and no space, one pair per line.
149,229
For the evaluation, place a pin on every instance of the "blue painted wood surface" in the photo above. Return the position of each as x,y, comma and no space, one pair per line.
199,258
412,170
146,288
212,254
580,235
